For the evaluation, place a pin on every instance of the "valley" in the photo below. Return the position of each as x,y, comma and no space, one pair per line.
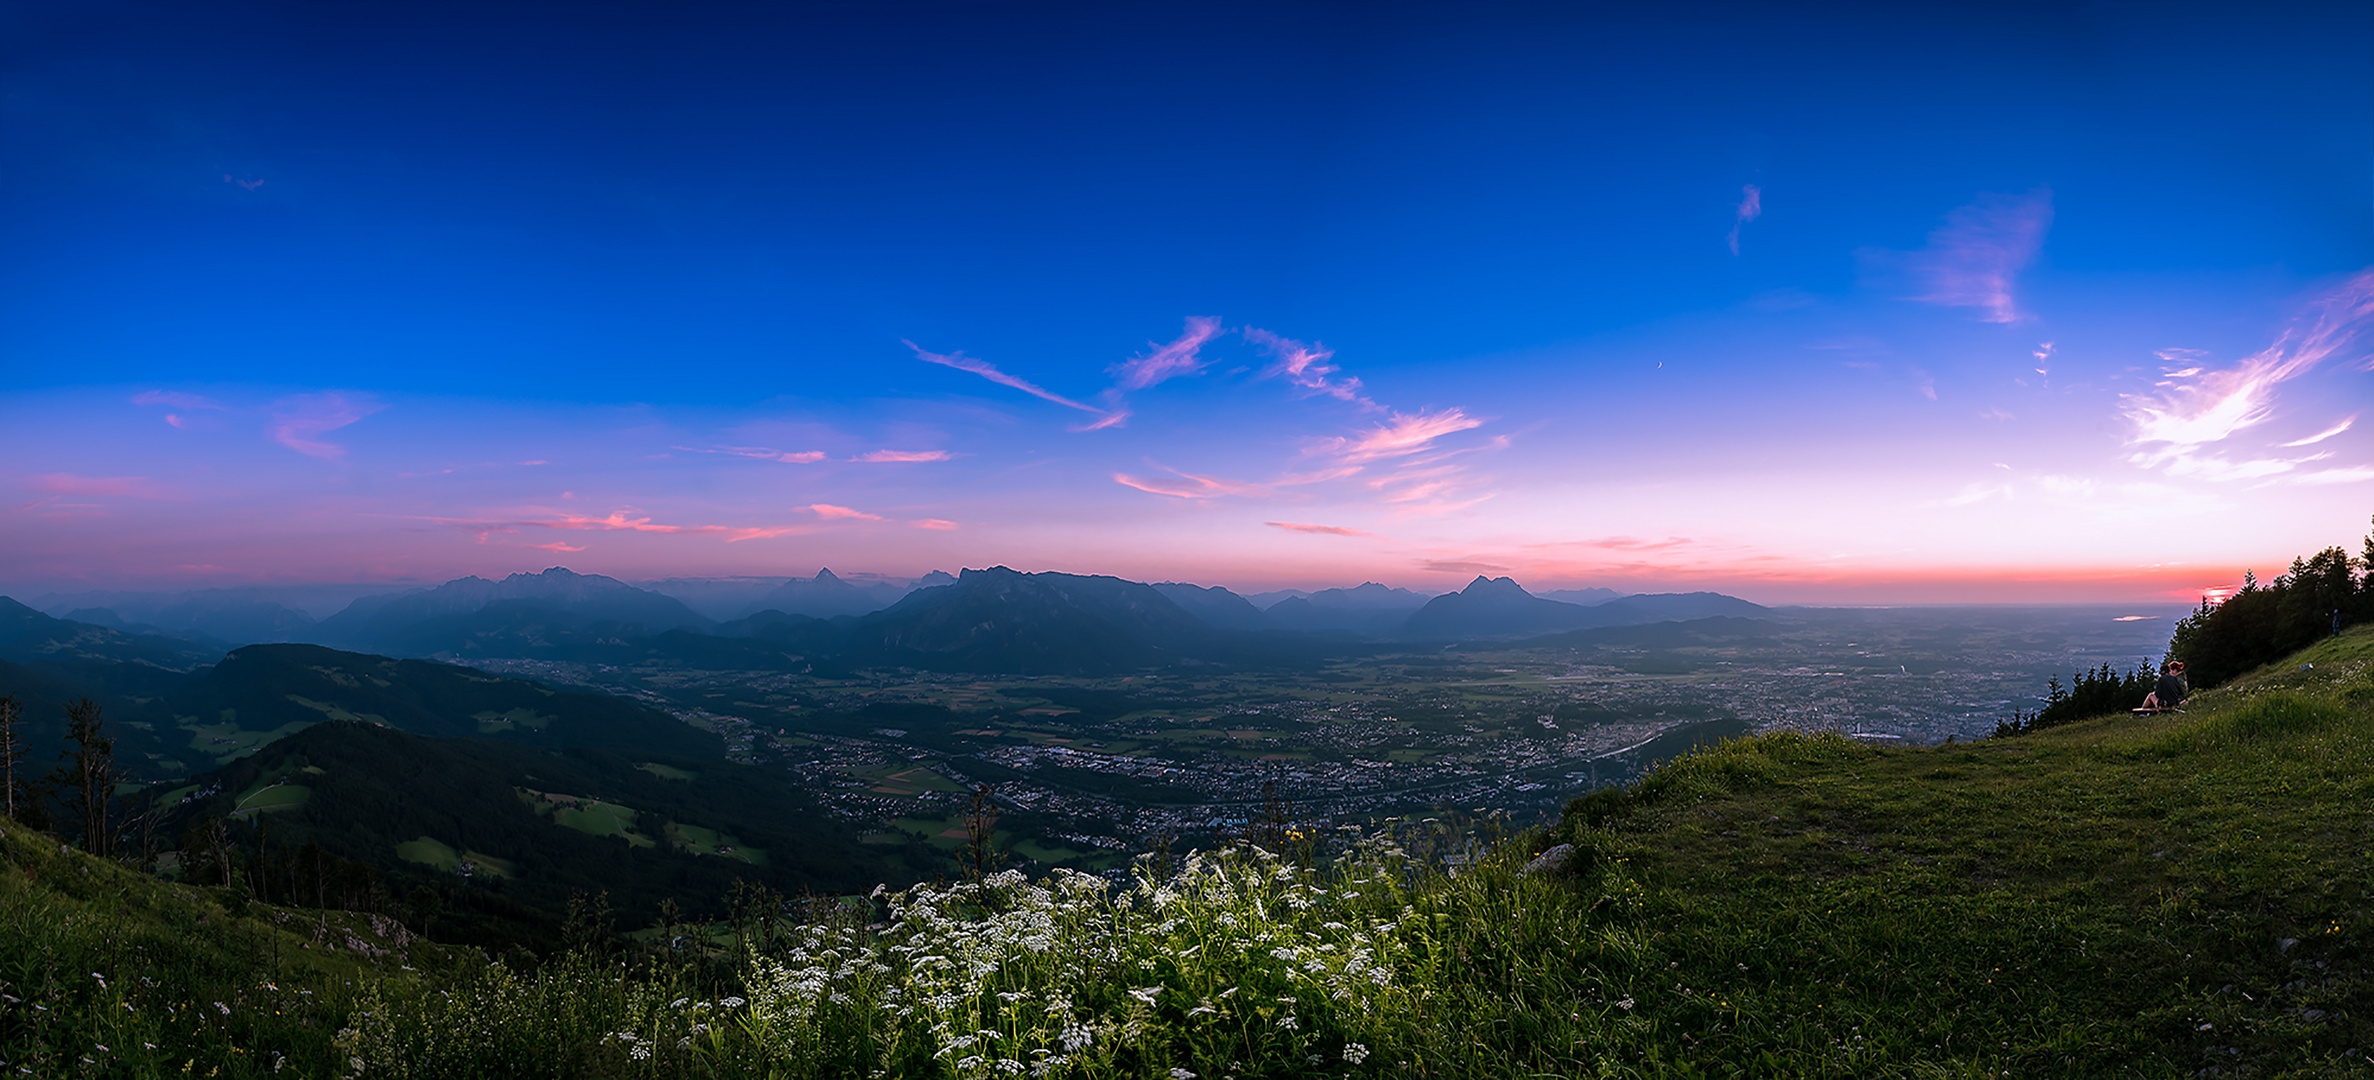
1089,770
1104,718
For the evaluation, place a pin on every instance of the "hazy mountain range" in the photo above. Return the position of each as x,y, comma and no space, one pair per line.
994,619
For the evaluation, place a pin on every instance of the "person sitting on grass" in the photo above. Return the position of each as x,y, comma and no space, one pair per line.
2171,690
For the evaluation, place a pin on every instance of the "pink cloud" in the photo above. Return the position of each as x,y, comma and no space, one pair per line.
1307,366
829,512
556,547
984,369
617,521
2198,406
1167,361
904,455
760,453
1330,530
1972,258
1112,419
298,422
937,524
1400,435
1196,487
135,487
1751,207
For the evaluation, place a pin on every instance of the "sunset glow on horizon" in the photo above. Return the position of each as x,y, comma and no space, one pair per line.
1805,309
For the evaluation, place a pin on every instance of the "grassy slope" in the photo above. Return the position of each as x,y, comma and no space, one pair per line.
107,972
2120,896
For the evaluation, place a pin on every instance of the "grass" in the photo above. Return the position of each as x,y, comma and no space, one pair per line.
431,852
226,741
590,816
2182,895
703,841
272,795
594,817
438,855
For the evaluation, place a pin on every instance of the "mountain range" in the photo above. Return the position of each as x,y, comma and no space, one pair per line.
993,619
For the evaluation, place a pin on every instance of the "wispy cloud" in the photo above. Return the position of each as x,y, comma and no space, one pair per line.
556,547
1751,207
178,400
1330,530
299,422
1189,485
2323,435
2197,406
1310,367
615,521
760,453
986,370
1111,419
1620,543
903,455
1972,259
829,512
1402,434
937,524
1167,361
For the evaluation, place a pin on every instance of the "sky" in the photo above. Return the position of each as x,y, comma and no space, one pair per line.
1807,304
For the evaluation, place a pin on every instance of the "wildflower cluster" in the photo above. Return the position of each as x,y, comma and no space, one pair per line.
1238,957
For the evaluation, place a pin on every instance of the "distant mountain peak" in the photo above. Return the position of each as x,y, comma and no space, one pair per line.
825,574
1494,586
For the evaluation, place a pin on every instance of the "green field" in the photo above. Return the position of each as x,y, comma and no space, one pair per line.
429,851
666,772
271,795
436,854
701,841
587,815
226,741
594,817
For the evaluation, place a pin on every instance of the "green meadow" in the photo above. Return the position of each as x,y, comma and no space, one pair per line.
2179,895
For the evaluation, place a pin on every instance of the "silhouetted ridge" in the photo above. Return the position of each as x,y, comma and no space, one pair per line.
1000,619
441,620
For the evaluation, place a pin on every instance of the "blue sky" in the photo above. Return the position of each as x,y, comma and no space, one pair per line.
1738,297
